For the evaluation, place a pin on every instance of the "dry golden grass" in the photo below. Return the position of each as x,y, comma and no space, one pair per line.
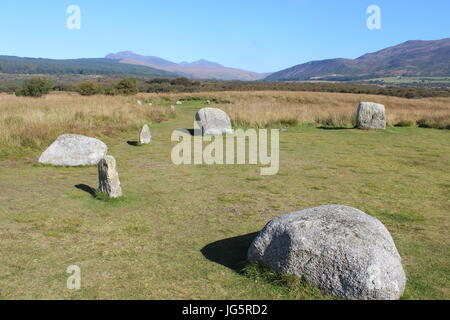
32,122
333,109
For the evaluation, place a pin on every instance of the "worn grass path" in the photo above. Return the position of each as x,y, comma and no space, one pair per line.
182,231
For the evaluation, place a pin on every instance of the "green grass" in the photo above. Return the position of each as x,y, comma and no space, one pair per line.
409,80
182,232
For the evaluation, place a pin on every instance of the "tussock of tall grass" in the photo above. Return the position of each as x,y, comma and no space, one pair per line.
31,123
436,122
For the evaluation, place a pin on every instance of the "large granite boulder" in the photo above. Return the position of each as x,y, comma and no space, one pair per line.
108,177
339,249
371,116
74,150
213,121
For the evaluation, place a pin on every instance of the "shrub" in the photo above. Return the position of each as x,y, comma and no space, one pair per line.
287,122
128,86
88,88
111,91
437,122
338,120
35,87
405,123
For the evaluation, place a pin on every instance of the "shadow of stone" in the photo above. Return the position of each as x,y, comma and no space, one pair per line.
192,132
336,128
231,252
88,189
133,143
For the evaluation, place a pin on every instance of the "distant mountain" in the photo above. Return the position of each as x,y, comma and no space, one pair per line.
411,58
129,55
200,63
18,65
201,69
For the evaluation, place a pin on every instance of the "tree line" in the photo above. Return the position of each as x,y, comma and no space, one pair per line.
36,87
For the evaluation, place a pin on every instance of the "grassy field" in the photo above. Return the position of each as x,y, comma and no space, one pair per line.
181,232
414,80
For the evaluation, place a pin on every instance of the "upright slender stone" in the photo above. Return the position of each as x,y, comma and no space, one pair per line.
145,137
108,177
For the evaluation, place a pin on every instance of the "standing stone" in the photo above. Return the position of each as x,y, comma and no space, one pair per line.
172,109
371,116
74,150
108,177
145,137
213,121
339,249
139,102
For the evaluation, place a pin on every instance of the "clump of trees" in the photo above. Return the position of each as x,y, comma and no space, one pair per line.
127,86
35,87
88,88
131,86
161,85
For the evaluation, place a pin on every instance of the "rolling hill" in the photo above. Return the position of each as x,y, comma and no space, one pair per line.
18,65
411,58
201,69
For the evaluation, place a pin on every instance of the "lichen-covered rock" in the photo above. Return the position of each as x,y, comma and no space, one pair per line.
371,116
339,249
108,177
74,150
145,136
213,121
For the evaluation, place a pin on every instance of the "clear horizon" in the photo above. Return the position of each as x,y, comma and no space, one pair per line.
261,36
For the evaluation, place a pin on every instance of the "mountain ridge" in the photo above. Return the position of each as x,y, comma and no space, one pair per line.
410,58
200,69
86,66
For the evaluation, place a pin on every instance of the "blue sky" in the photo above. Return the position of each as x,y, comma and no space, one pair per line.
255,35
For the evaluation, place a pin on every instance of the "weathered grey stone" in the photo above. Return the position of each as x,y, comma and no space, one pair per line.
74,150
339,249
172,109
371,116
179,102
213,121
108,177
145,137
150,104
